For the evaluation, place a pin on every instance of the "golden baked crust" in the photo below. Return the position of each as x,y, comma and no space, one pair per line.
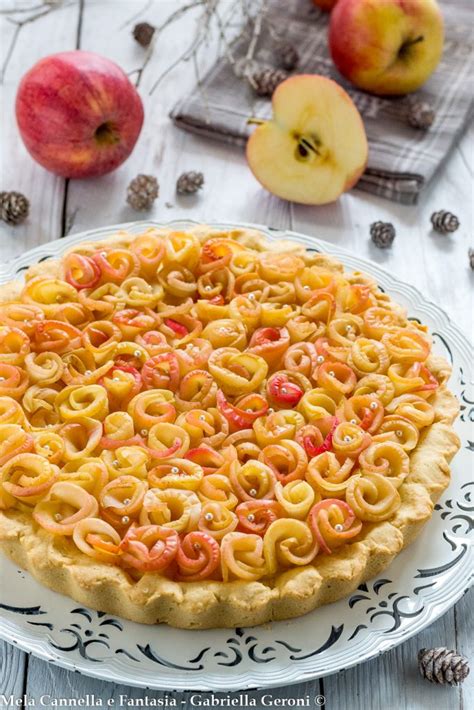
58,564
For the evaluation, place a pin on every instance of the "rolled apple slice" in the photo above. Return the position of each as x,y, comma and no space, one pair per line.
315,147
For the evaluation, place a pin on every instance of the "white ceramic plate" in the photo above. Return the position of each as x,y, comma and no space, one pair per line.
422,583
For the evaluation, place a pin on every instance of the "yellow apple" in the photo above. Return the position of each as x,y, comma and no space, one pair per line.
386,46
315,147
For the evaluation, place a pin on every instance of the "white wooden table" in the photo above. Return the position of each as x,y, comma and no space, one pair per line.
437,265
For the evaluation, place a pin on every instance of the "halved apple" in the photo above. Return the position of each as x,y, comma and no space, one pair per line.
315,147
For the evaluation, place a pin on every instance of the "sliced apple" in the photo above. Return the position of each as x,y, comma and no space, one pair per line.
315,147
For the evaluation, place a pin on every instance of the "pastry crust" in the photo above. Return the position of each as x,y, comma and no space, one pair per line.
58,564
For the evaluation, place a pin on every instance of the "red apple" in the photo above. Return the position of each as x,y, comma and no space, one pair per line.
386,46
78,114
326,5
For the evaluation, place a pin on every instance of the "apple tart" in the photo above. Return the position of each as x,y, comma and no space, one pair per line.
211,429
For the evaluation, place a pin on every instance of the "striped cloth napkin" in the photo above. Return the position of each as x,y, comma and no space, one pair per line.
402,160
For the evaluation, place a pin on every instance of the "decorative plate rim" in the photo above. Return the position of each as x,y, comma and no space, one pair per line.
248,678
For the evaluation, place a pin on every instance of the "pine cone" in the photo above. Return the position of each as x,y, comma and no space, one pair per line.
470,254
142,192
444,222
265,81
438,665
143,33
382,234
14,207
288,57
188,183
420,115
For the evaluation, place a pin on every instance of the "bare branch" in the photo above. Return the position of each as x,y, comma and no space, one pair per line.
46,9
209,21
257,29
177,13
136,15
19,10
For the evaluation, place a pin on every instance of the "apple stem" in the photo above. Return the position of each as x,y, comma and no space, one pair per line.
406,46
255,121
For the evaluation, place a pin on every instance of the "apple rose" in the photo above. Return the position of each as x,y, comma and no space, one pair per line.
255,516
90,474
45,367
126,461
368,356
244,412
400,430
270,344
287,460
65,505
193,355
161,372
14,345
379,385
13,440
197,389
301,357
173,507
81,271
121,500
365,410
253,480
413,408
217,488
96,538
13,380
277,426
116,265
328,476
149,249
212,461
176,473
285,388
152,407
236,372
198,557
373,497
217,520
27,476
296,498
333,522
386,458
288,542
242,557
245,309
149,548
11,412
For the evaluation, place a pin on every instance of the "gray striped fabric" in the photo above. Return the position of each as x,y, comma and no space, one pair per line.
402,159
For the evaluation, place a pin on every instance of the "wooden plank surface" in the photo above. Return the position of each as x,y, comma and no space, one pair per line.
436,265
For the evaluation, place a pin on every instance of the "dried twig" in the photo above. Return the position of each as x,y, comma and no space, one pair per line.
19,10
136,15
45,9
257,29
210,20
